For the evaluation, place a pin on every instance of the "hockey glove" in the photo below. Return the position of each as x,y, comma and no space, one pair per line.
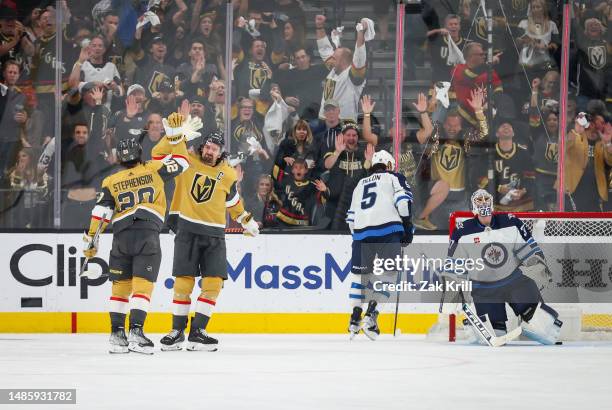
408,231
191,127
90,248
173,126
249,224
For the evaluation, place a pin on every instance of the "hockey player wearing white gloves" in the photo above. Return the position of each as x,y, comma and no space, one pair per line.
197,215
379,219
505,245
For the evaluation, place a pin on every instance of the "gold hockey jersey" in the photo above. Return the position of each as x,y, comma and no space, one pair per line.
138,192
202,195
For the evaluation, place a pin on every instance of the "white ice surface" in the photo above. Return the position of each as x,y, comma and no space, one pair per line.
312,372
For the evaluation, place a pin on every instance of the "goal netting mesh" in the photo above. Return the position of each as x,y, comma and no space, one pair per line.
583,240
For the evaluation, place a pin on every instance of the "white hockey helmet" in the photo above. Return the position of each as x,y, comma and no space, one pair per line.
383,157
482,203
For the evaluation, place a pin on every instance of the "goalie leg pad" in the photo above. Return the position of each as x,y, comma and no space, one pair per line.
543,327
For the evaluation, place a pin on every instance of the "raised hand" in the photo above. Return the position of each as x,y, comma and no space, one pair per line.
367,105
98,94
320,185
535,84
369,152
477,99
421,104
185,108
340,144
131,106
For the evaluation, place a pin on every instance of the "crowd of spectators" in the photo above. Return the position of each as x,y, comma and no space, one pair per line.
303,128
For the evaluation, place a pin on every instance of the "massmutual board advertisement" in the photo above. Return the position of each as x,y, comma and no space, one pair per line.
272,278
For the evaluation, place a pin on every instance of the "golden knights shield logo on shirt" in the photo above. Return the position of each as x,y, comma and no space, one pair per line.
328,90
597,57
202,188
156,79
552,152
258,76
449,159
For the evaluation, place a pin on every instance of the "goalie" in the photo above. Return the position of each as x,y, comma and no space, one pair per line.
506,247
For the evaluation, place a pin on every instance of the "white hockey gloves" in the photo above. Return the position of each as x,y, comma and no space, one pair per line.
176,126
248,223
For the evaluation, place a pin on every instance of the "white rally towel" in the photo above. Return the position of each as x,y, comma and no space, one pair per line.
370,33
455,56
442,88
273,123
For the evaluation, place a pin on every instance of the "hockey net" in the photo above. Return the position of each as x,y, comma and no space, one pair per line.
582,321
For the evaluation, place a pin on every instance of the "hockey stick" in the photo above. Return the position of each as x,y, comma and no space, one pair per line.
397,293
489,338
85,273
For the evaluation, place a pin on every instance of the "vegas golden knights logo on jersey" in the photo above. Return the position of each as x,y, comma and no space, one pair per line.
258,76
552,152
597,57
202,188
449,159
156,79
481,28
328,90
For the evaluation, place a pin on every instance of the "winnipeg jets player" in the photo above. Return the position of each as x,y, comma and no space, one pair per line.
505,245
379,219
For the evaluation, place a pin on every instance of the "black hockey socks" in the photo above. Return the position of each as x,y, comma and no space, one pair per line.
199,321
117,321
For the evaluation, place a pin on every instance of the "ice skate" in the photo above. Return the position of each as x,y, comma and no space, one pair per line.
369,324
355,322
173,340
199,340
138,342
118,342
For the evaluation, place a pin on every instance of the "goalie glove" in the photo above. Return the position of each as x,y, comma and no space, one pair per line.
90,247
173,126
248,223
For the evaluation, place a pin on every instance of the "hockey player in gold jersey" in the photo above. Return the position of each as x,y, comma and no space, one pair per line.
135,198
201,199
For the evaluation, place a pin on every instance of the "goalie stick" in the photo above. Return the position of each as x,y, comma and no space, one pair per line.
477,323
483,332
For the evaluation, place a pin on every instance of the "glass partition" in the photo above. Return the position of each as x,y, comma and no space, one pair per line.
300,88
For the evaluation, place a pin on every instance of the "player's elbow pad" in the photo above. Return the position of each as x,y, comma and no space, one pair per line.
103,213
403,208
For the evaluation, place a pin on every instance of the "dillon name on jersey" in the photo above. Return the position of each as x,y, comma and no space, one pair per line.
379,202
503,246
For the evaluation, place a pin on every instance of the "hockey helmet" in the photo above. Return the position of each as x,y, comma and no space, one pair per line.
129,149
482,203
215,137
385,158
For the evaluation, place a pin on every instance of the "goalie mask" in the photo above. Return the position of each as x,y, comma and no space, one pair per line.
384,158
129,150
482,203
